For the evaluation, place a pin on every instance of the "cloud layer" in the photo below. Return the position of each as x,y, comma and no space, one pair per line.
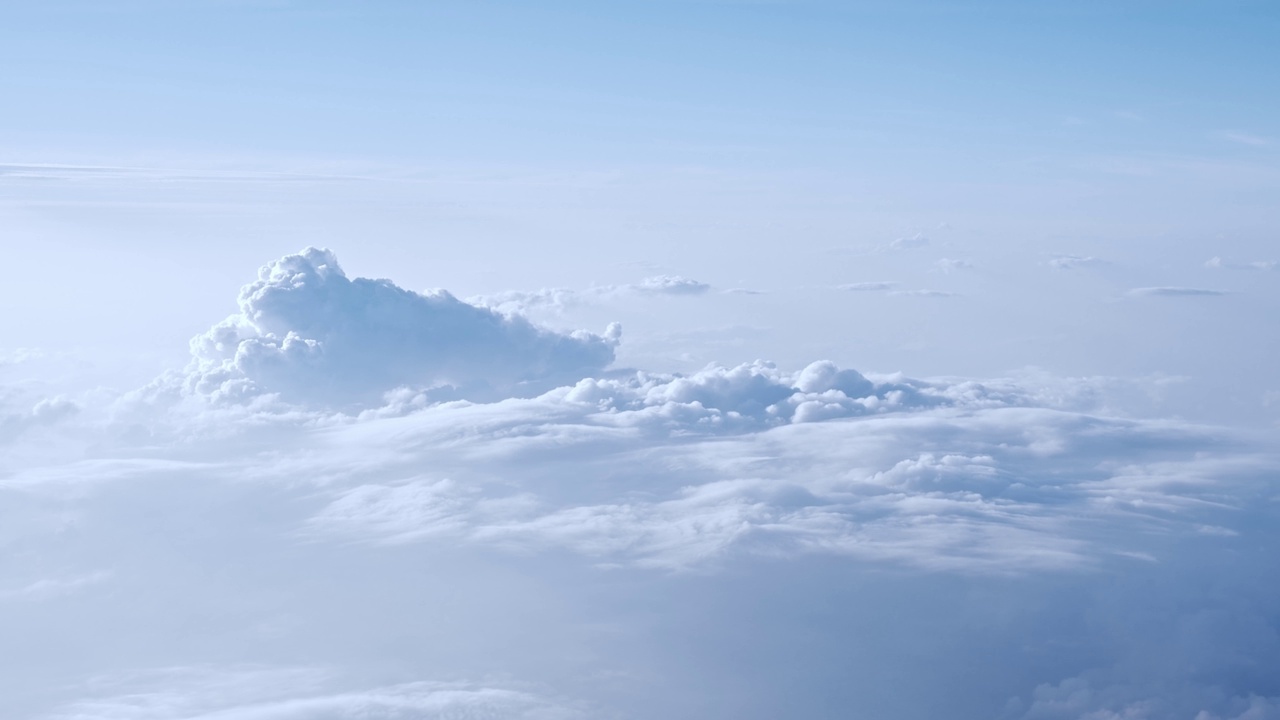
395,486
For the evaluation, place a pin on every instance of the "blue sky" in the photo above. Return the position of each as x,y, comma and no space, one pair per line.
686,359
790,85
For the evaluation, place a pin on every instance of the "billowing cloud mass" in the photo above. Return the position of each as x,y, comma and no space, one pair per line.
306,331
401,505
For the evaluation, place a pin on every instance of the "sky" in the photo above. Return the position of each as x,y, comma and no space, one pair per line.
649,359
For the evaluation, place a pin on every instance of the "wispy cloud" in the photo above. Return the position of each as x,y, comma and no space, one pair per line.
53,171
1070,262
1244,138
1218,263
868,286
1174,292
52,587
523,301
948,265
924,293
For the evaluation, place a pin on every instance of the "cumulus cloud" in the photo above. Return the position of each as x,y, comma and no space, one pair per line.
45,412
310,334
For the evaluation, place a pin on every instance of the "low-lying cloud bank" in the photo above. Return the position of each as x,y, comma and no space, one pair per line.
377,432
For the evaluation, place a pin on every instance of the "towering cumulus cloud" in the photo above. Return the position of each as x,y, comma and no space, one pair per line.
309,333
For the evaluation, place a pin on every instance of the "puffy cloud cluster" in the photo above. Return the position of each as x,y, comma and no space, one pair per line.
969,484
307,332
747,397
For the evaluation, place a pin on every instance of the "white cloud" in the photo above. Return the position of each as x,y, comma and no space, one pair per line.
559,299
669,285
1217,263
941,476
47,411
868,286
948,265
1174,292
1084,698
924,293
1001,521
52,587
1069,262
918,240
267,693
310,334
1245,138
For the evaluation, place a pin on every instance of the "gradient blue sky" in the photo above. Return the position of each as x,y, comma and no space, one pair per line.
771,146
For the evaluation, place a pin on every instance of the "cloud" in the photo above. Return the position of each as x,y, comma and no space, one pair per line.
1070,262
45,412
868,286
630,530
924,293
889,288
558,299
269,693
309,334
1244,138
947,265
47,588
962,477
108,173
669,285
1174,292
1217,263
1083,698
991,491
918,240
